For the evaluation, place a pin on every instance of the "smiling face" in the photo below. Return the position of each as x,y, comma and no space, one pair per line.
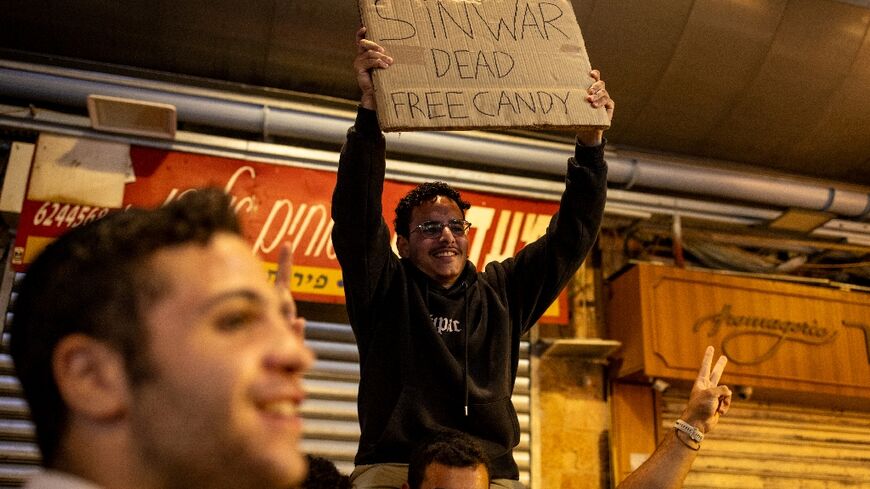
221,408
443,257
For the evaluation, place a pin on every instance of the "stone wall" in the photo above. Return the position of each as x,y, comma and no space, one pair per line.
574,415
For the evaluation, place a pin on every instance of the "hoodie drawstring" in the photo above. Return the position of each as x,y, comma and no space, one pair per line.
467,325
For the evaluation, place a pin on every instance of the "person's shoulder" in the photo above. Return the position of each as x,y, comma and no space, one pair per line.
495,273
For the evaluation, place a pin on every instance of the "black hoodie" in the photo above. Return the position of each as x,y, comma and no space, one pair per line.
434,358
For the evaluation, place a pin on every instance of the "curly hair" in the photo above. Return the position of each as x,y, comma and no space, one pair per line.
425,192
323,474
95,280
450,448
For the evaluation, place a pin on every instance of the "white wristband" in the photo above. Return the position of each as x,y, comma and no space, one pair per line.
693,433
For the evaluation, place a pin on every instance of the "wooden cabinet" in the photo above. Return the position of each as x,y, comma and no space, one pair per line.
785,340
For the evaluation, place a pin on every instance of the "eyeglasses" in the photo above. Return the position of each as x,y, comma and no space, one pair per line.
433,229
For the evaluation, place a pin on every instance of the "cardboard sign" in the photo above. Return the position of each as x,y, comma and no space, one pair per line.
463,64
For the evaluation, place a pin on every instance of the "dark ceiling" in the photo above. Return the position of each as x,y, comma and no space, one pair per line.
779,85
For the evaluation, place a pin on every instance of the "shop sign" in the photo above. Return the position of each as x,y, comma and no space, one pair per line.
734,327
277,203
777,335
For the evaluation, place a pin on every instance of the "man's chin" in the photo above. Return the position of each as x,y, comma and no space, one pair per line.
285,470
293,475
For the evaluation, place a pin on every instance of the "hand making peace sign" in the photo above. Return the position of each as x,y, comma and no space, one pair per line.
708,400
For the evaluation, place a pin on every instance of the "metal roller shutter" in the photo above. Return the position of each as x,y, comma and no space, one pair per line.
19,456
763,445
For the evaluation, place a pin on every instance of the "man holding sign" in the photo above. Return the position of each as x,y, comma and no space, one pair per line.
438,340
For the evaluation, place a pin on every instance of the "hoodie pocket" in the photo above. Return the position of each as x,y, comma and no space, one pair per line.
496,424
415,416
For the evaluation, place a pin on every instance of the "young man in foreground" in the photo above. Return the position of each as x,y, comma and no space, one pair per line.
154,354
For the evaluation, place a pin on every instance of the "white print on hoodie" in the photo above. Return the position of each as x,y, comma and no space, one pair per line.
445,325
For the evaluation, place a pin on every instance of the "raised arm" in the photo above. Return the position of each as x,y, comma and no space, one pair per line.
668,466
360,236
546,265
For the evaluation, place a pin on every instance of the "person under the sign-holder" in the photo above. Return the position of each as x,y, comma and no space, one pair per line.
450,460
438,339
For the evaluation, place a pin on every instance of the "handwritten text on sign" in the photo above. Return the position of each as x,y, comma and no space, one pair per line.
463,64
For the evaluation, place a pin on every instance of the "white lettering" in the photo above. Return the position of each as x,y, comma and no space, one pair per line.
502,248
259,243
514,228
238,204
481,217
445,325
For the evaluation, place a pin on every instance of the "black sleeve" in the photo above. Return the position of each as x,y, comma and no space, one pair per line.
540,271
360,236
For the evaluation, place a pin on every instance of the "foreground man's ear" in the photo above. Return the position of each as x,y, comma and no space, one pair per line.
91,377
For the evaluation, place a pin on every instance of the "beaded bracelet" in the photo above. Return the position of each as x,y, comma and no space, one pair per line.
684,442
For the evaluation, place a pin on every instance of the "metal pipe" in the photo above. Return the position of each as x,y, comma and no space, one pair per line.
278,118
740,186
